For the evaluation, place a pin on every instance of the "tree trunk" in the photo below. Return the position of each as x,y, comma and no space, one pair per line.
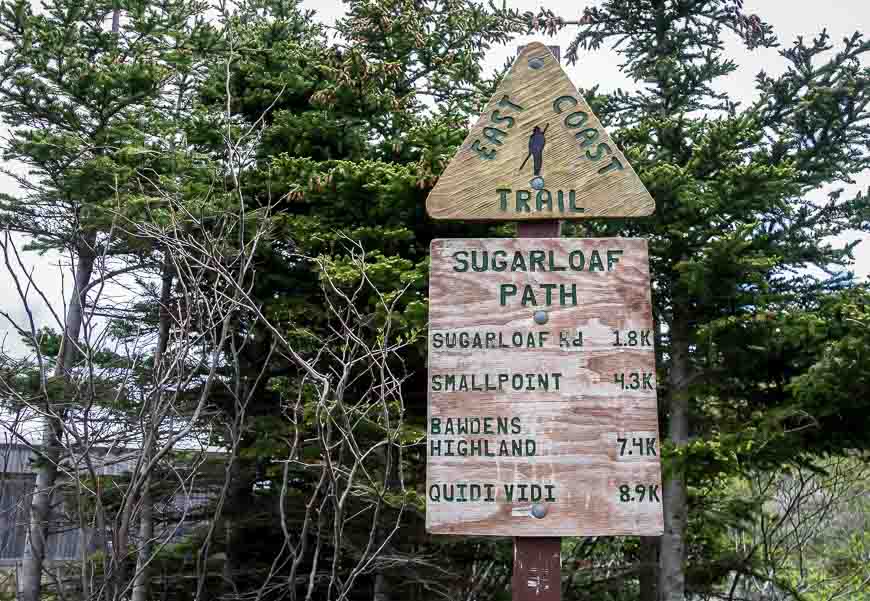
146,515
382,588
672,580
236,499
52,432
649,550
146,534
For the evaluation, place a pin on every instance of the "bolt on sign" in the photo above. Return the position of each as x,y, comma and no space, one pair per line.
538,152
542,389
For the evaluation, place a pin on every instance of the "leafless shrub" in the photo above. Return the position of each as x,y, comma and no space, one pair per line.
136,455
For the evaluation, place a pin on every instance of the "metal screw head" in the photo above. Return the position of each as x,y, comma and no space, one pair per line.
536,62
537,182
541,317
539,510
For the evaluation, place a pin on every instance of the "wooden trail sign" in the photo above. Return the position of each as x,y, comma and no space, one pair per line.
538,152
542,399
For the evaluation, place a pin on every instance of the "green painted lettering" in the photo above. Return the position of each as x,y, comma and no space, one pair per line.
564,295
490,497
529,297
460,256
552,262
614,164
550,498
503,198
576,260
517,449
572,202
576,119
499,260
461,488
595,263
479,263
522,198
600,151
613,258
496,117
444,493
474,492
587,136
569,100
506,101
494,135
505,291
523,488
549,292
483,152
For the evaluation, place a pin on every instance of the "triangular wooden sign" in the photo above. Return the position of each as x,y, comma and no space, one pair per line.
538,152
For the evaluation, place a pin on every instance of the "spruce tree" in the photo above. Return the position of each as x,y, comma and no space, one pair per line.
732,232
735,229
79,83
353,134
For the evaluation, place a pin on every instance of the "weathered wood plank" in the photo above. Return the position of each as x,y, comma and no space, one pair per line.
537,569
522,412
538,152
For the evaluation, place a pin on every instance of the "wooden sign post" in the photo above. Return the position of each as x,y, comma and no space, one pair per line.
537,573
542,400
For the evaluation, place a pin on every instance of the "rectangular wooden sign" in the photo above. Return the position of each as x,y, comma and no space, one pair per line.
542,390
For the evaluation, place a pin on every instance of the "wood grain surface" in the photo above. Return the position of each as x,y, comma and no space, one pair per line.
537,574
578,156
577,427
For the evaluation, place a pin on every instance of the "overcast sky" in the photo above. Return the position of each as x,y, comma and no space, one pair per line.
790,18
